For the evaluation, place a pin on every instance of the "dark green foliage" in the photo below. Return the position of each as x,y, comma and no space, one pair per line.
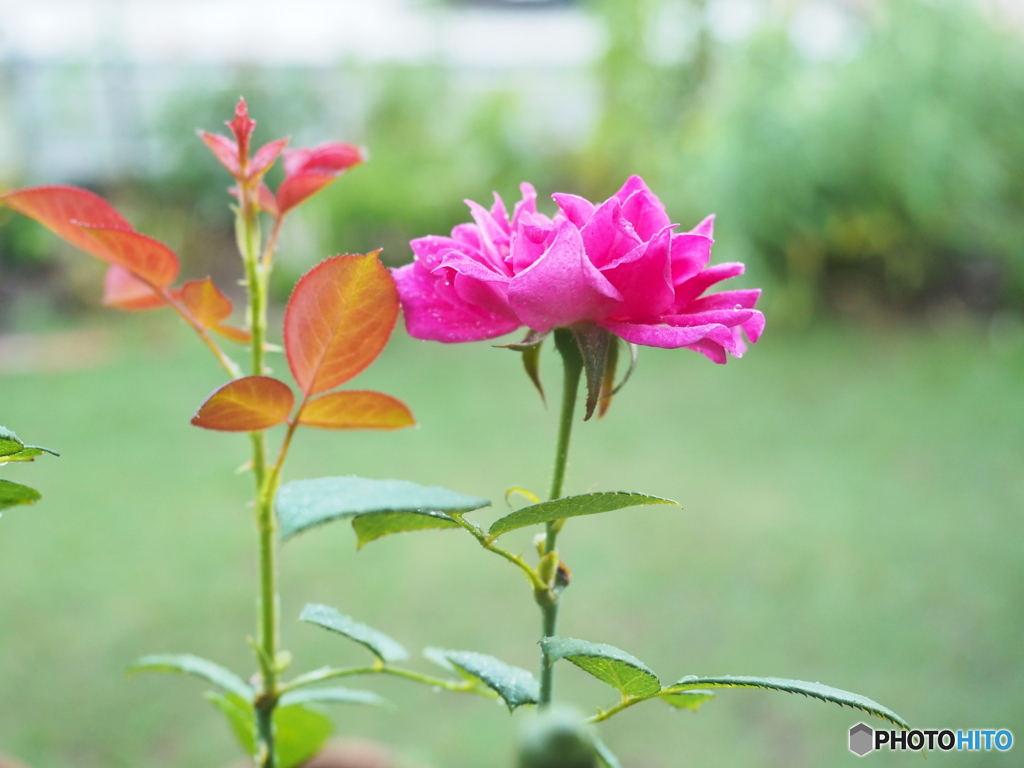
304,504
573,506
514,684
379,644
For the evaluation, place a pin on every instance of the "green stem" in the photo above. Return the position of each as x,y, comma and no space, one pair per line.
572,362
626,703
248,233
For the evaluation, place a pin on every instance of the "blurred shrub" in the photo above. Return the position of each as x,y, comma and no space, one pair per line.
889,174
894,177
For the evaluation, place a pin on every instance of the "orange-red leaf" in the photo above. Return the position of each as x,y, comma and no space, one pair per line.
56,208
148,259
338,320
298,189
205,301
359,409
240,335
122,290
246,405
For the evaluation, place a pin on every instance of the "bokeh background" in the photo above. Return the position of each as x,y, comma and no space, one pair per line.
852,488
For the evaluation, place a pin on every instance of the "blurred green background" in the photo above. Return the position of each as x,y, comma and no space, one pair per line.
852,488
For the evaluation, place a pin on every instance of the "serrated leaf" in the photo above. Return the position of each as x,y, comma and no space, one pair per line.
573,506
248,404
335,696
194,665
593,342
605,662
605,755
205,301
514,685
303,504
687,699
146,258
15,494
376,525
379,644
338,319
9,443
814,690
57,207
356,409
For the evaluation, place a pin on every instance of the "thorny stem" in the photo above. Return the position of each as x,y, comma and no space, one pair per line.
267,638
548,601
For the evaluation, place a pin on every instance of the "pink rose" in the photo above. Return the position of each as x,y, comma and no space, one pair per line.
618,265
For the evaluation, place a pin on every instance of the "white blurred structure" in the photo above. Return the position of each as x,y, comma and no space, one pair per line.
82,80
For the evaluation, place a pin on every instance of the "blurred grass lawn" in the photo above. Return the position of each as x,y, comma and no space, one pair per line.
852,515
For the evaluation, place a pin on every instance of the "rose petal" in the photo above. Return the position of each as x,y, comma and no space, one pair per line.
690,254
666,336
706,227
607,236
746,298
562,287
754,327
493,238
695,286
528,204
430,251
436,317
533,236
646,213
644,278
576,209
726,317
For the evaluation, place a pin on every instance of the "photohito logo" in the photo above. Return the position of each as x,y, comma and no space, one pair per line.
865,739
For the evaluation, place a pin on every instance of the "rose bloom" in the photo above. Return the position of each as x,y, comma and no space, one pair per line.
619,265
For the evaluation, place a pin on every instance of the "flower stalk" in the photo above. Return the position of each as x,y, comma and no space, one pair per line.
572,362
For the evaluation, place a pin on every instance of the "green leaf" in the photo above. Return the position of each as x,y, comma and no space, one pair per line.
376,525
814,690
573,506
335,696
239,714
687,699
379,644
9,442
515,685
303,504
605,662
25,454
194,665
13,494
593,342
299,733
605,754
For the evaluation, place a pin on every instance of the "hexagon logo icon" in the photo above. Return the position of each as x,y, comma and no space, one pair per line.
862,739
